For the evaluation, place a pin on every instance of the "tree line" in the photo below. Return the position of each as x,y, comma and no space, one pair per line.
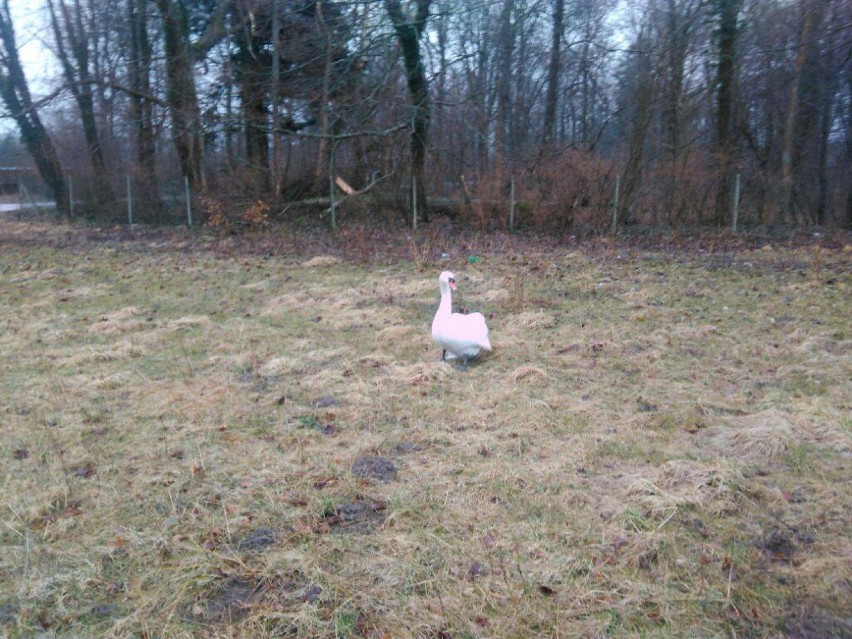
650,112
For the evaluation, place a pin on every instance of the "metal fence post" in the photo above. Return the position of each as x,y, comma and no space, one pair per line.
615,204
414,203
70,197
129,202
188,203
736,207
512,205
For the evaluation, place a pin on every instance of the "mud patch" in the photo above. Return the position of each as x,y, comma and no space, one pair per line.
406,448
777,545
357,517
232,603
326,401
259,539
238,597
816,624
374,467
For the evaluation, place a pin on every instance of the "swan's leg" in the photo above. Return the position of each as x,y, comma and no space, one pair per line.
464,365
444,355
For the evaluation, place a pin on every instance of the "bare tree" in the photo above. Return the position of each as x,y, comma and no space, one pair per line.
16,95
549,126
503,117
727,15
141,107
181,54
796,127
409,30
638,87
682,20
74,33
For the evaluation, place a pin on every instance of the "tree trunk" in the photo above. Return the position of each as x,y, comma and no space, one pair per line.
16,94
439,151
252,79
728,33
408,32
788,151
325,102
552,99
275,103
505,43
72,44
848,131
643,82
181,93
635,152
141,109
678,31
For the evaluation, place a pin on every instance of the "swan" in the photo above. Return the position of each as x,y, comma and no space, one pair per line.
461,335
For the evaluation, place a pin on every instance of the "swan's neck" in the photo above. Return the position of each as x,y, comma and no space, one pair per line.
445,308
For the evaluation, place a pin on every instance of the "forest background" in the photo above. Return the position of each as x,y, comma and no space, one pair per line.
555,114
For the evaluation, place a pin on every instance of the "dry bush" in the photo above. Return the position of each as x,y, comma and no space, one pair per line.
256,213
683,195
566,189
225,215
213,211
486,202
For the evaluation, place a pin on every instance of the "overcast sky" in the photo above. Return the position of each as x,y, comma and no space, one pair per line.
39,65
30,31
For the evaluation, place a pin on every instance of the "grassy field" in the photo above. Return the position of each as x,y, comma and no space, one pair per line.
201,441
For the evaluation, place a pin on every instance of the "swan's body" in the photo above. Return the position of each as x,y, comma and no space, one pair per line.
463,336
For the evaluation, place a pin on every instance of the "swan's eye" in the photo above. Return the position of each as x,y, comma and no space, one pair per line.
452,280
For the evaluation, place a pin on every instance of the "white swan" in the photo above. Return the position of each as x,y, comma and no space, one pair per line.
463,336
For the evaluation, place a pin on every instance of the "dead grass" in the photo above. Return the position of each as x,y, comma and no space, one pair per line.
217,444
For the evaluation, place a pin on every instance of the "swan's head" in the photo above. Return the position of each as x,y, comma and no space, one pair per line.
447,280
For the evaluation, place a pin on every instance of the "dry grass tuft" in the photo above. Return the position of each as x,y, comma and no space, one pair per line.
682,483
400,335
123,320
770,433
763,435
533,320
280,366
498,295
321,261
187,322
416,374
528,374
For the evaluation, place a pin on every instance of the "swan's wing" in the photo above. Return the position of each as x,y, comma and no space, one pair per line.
476,330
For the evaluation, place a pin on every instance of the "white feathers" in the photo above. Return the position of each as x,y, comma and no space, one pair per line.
463,336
